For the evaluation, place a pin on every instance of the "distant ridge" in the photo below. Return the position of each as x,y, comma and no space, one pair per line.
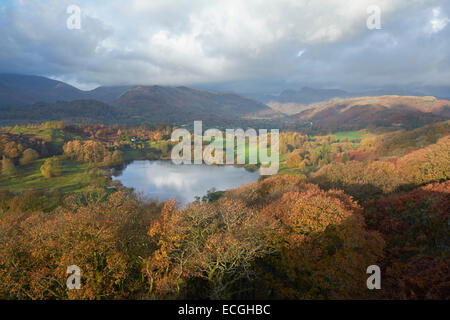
356,113
35,99
16,89
169,103
294,101
25,89
55,100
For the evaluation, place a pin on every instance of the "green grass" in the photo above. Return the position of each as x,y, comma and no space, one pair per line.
56,137
73,178
219,143
348,134
151,151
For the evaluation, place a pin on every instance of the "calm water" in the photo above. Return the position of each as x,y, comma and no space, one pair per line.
165,180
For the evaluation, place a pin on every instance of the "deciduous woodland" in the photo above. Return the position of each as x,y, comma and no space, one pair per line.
341,201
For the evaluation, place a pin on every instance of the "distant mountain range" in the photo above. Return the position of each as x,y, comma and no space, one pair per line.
28,99
35,98
18,89
169,104
294,101
356,113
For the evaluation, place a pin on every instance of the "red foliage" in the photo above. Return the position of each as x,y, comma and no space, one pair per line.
415,226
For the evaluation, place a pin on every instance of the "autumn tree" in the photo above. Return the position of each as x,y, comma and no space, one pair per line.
294,160
205,250
51,168
323,247
117,157
428,164
104,235
415,227
87,151
28,156
344,158
8,167
12,150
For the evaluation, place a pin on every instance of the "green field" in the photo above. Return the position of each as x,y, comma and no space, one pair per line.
75,177
254,148
56,137
349,134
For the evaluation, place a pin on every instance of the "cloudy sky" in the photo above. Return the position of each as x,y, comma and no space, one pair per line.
249,45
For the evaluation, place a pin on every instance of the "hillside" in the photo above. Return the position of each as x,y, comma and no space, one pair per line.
23,89
168,104
107,94
16,89
308,95
288,108
357,113
295,101
25,99
77,111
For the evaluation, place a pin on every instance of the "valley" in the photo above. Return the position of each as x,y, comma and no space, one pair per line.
361,180
225,159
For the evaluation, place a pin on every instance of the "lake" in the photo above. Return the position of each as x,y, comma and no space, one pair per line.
164,180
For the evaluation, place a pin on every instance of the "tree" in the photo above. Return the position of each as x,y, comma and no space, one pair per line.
428,164
117,157
51,168
322,246
89,151
8,168
415,227
103,235
28,156
205,249
344,158
294,159
11,150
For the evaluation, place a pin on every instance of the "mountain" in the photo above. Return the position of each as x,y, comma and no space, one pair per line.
309,95
294,101
77,111
289,108
23,89
16,89
443,92
33,98
107,94
356,113
181,104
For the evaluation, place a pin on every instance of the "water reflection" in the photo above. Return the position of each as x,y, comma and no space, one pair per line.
165,180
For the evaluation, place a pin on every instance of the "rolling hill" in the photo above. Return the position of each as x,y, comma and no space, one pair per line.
294,101
36,99
184,104
356,113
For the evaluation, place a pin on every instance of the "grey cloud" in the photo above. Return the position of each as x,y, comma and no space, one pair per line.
224,42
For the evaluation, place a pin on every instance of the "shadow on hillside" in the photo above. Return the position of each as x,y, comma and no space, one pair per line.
368,191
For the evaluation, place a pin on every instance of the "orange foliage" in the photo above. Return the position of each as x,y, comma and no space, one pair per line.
313,241
370,180
206,245
428,164
103,238
323,248
415,226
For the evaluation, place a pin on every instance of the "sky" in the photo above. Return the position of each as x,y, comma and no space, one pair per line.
248,46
